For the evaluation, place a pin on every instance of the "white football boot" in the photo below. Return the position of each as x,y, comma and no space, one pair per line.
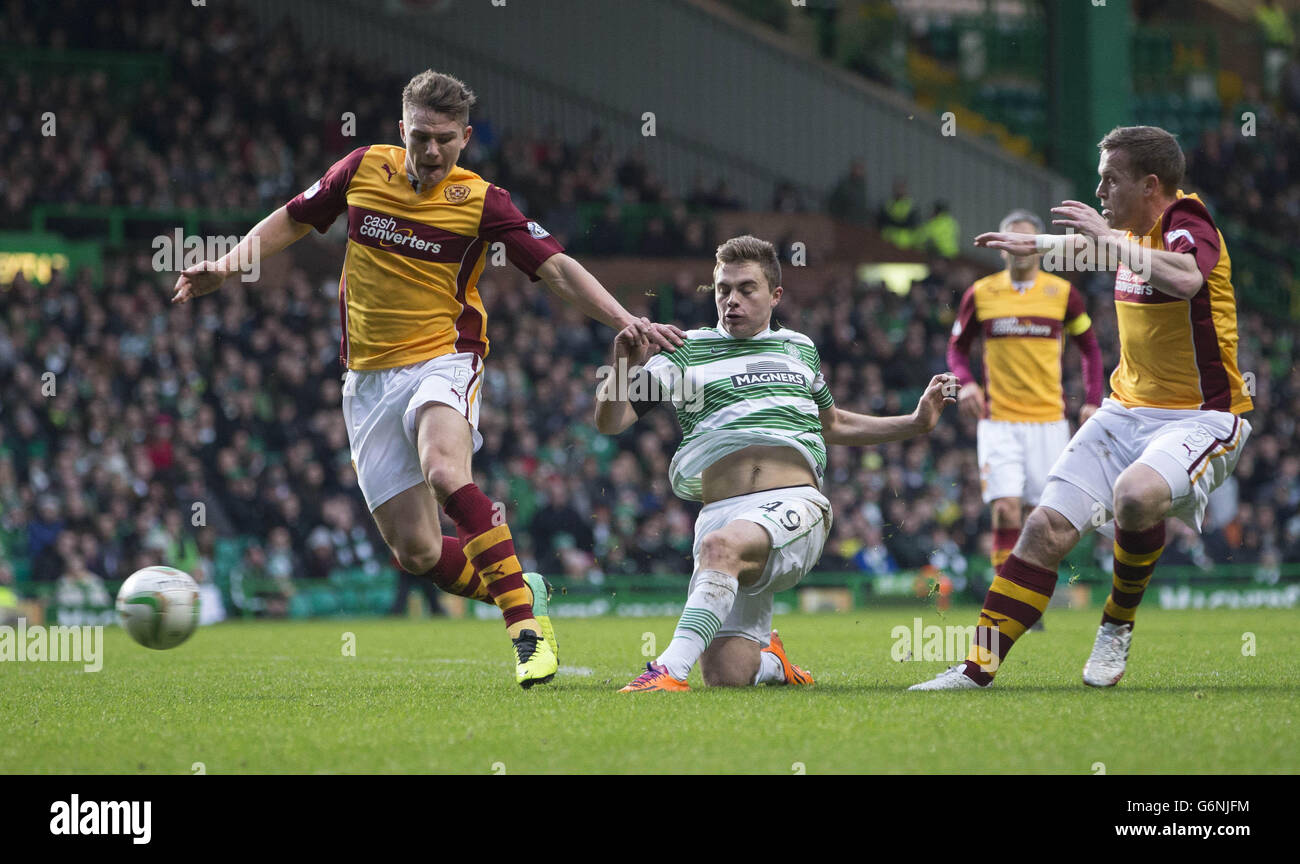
952,678
1109,656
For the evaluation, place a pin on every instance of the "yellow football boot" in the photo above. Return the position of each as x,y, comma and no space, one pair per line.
535,660
541,589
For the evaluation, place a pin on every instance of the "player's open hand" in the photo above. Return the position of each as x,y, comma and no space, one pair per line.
970,401
202,278
1082,218
941,392
1008,241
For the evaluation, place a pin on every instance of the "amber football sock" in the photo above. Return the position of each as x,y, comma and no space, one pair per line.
1136,553
1016,599
486,543
1004,540
454,574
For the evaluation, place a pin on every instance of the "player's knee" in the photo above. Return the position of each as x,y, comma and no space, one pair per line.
719,552
417,558
1138,502
443,478
1046,538
726,678
723,674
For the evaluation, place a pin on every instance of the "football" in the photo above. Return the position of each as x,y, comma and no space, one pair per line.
159,606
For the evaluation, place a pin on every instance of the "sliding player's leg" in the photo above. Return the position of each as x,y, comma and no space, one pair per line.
747,549
746,650
732,555
731,661
739,661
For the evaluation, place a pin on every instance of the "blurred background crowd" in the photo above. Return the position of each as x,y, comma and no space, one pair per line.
133,432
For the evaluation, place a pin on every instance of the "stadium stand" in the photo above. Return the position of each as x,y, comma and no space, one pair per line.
232,403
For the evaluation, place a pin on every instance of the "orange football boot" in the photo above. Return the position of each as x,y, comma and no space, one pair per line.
793,674
655,677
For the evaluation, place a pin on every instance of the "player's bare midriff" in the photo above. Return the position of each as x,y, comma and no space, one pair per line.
755,469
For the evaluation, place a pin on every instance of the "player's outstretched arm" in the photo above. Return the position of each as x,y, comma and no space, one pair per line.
574,284
860,430
1027,244
1172,273
632,347
268,237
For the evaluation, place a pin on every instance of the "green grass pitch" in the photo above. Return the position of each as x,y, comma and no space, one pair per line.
439,696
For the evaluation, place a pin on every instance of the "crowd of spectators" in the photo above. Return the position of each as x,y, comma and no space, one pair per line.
231,403
134,432
1250,170
245,120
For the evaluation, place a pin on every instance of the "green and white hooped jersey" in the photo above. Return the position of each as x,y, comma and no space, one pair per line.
733,393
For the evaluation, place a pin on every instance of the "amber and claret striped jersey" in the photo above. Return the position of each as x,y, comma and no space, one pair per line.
1180,354
409,288
1022,327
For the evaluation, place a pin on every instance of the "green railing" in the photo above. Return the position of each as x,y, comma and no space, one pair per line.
37,256
125,71
370,591
115,223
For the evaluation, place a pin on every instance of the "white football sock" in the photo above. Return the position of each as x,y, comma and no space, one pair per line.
706,608
770,670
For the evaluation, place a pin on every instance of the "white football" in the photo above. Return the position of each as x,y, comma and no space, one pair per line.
159,606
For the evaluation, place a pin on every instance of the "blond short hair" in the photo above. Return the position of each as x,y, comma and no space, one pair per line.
440,93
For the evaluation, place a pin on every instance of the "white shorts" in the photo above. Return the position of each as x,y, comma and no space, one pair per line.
798,519
1194,451
1015,458
379,408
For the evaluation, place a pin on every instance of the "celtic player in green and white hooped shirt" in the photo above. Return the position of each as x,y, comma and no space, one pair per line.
756,416
733,393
